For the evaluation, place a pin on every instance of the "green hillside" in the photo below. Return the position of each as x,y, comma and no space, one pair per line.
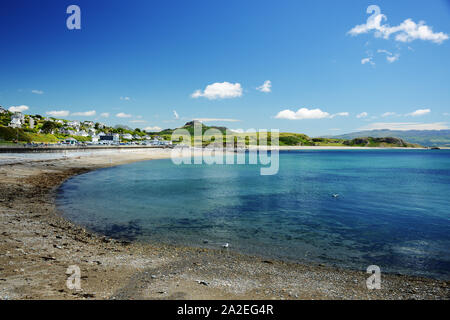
429,138
51,130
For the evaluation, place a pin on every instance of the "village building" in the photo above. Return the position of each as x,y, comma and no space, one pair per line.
68,131
88,123
110,139
74,124
127,136
17,120
82,133
71,141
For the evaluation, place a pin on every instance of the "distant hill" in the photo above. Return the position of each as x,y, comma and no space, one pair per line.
189,126
428,138
298,139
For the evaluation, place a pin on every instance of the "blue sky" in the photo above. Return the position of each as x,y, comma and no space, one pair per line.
139,61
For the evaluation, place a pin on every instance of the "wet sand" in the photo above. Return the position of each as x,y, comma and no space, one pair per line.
37,246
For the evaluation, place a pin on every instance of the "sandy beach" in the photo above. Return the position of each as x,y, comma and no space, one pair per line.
37,246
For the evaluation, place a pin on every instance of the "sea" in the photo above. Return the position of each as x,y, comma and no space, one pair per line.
344,208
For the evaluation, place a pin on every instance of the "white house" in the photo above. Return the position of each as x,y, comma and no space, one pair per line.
15,123
2,110
71,141
74,124
82,133
95,139
127,136
17,120
68,131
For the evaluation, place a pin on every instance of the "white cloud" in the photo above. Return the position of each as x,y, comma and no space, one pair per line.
339,114
367,60
302,113
58,113
393,58
85,114
419,112
265,87
305,113
125,98
123,115
152,129
137,121
242,130
362,115
104,114
407,31
388,114
384,51
216,119
37,91
175,114
18,108
389,56
406,126
218,90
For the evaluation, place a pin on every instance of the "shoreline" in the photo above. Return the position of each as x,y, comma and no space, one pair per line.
39,245
23,155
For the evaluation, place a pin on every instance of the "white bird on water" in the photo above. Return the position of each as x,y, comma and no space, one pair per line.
226,245
335,195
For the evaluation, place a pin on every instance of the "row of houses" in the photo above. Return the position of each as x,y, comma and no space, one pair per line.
114,139
77,124
103,138
81,133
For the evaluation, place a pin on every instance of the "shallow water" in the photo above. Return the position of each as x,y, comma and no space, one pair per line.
392,209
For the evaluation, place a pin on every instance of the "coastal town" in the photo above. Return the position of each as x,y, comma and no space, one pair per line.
50,130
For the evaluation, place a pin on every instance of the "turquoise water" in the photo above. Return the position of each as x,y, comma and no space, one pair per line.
392,209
